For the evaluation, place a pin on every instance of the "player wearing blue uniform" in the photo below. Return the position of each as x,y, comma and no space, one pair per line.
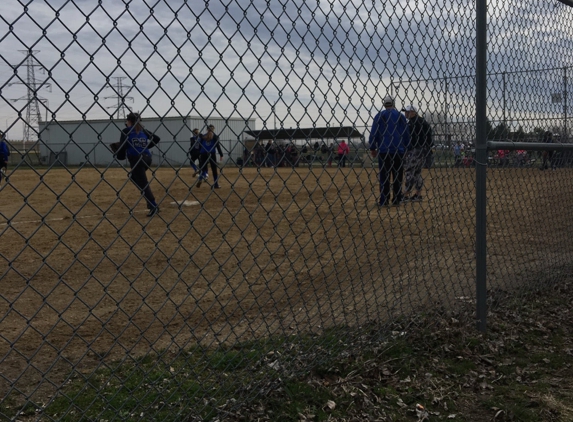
209,148
4,154
135,143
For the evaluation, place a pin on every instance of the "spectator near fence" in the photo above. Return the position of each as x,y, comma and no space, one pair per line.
389,140
259,154
4,155
246,158
503,156
271,153
548,155
291,154
420,147
330,154
458,154
521,157
343,151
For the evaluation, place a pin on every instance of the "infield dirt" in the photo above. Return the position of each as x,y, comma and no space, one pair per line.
87,277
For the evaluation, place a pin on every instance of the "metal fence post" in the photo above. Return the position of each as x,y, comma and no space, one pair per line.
565,136
481,167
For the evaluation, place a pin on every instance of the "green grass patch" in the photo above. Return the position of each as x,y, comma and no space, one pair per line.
516,372
202,383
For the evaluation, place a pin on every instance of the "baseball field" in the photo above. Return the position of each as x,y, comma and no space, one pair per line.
86,276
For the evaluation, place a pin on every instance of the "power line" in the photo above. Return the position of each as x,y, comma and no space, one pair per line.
121,107
33,116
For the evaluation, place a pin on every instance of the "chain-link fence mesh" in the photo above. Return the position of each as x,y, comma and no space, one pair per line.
246,279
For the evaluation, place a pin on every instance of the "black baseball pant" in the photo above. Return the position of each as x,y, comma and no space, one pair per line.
139,166
3,165
390,167
209,158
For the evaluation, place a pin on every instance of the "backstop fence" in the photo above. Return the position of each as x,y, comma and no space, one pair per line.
247,274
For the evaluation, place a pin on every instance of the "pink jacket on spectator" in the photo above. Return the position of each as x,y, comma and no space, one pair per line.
343,148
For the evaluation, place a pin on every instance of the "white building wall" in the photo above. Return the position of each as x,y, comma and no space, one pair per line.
88,141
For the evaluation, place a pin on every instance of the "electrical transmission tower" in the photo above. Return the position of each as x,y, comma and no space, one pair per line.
33,116
119,86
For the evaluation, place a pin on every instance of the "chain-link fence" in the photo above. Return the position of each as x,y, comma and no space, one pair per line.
257,261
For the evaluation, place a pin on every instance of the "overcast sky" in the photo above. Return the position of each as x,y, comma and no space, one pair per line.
312,62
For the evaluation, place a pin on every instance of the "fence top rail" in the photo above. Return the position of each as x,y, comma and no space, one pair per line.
528,146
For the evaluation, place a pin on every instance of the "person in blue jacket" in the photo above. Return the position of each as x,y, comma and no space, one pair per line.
389,141
209,148
135,143
4,154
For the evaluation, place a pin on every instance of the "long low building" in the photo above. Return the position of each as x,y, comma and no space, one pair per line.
78,142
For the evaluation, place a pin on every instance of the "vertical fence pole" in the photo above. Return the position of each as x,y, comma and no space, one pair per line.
446,109
481,165
504,103
565,137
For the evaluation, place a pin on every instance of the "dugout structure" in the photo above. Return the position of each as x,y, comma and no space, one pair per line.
309,137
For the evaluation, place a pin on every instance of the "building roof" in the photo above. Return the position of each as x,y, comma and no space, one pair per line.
145,119
310,133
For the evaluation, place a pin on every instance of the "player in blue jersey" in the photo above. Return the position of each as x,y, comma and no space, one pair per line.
4,154
209,148
135,143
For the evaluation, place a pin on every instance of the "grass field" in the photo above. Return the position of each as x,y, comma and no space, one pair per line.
275,251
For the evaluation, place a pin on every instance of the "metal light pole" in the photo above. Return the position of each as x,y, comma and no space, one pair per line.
394,85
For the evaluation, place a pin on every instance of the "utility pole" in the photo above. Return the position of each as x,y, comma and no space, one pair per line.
119,86
33,116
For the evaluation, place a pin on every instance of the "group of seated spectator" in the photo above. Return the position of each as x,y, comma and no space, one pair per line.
271,154
505,158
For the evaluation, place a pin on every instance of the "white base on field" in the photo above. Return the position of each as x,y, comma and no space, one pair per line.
186,203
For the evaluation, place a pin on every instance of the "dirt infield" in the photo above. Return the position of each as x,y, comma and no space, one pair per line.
275,251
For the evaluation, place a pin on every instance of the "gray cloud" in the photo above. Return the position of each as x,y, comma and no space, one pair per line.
313,62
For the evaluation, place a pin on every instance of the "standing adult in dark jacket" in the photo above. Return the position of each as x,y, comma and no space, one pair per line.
420,147
389,140
209,148
271,152
195,150
135,143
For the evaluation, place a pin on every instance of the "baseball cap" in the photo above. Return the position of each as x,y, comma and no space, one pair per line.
388,101
410,108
